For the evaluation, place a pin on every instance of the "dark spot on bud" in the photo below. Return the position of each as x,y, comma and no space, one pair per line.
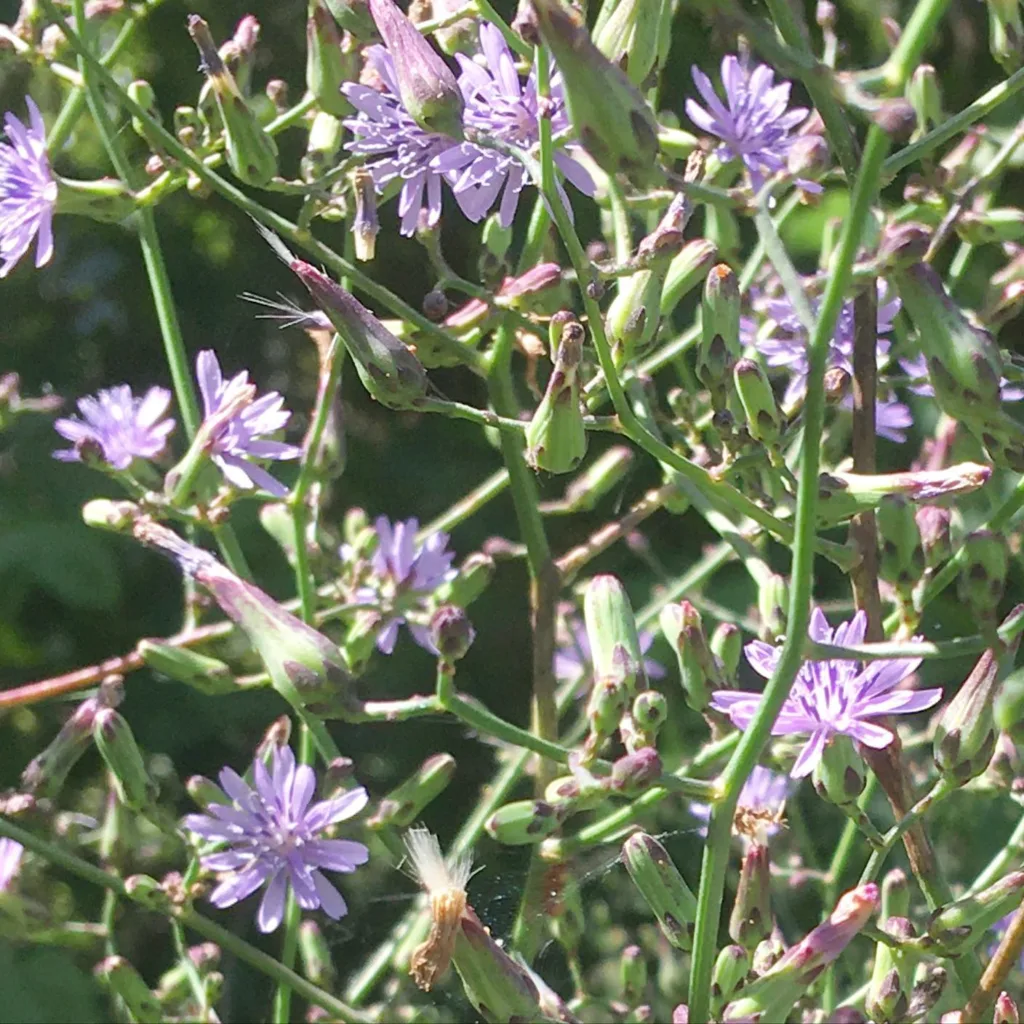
765,421
670,922
853,782
595,290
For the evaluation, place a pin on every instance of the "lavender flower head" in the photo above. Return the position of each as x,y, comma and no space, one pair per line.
573,659
10,861
272,838
240,438
500,106
28,191
759,811
405,573
832,697
753,123
122,426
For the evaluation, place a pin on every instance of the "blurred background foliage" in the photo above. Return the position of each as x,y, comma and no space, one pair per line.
70,596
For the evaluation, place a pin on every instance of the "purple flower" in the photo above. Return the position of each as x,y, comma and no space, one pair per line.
830,697
916,367
240,437
123,426
405,573
498,105
397,147
272,838
759,811
10,861
573,658
753,123
28,192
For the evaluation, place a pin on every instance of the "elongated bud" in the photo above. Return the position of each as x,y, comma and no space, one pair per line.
965,735
773,995
633,974
473,578
611,633
365,224
927,991
627,34
328,66
251,152
895,895
961,925
388,370
315,954
451,633
902,558
1005,33
892,976
1008,710
720,331
609,115
207,675
556,439
982,580
105,200
608,700
982,227
764,421
1006,1011
601,477
689,267
727,647
933,523
426,85
699,671
406,802
142,93
925,97
731,969
116,744
205,792
634,773
123,980
322,146
523,822
662,887
839,776
751,918
45,774
772,605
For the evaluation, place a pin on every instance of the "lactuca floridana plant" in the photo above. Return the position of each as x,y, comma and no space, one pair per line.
751,279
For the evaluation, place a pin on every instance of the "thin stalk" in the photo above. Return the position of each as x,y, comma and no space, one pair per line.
917,34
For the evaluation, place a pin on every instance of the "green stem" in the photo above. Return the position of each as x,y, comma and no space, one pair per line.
917,34
716,850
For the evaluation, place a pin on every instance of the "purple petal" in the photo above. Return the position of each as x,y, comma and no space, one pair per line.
271,912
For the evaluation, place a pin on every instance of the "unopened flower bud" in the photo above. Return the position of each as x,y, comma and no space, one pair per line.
982,227
731,969
608,113
104,514
141,92
982,580
727,647
764,422
451,633
961,925
116,744
124,981
965,734
472,579
611,633
205,674
633,974
406,802
925,97
328,65
46,772
650,711
1006,33
751,918
892,975
772,607
205,792
901,560
933,522
426,85
251,152
1008,711
599,478
895,895
927,991
322,145
699,671
719,344
556,439
1006,1011
604,711
689,267
662,887
523,822
634,773
839,775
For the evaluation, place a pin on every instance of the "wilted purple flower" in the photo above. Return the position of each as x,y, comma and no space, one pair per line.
916,367
10,861
759,811
573,658
273,838
122,426
753,123
404,574
498,105
830,697
397,147
28,191
240,437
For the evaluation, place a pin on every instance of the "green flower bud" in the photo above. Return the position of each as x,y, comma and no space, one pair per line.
388,370
927,991
983,573
981,227
45,774
965,735
609,115
727,647
251,152
634,773
328,66
925,97
205,792
895,895
627,33
892,976
322,146
662,887
1006,1011
426,85
650,712
604,710
406,802
579,792
901,552
699,670
473,578
118,975
633,974
451,632
772,607
720,331
523,822
961,925
689,267
839,775
188,126
1008,710
315,954
207,675
751,919
731,969
1005,33
764,421
611,633
142,93
964,362
117,746
933,524
148,893
116,516
556,439
354,16
605,473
